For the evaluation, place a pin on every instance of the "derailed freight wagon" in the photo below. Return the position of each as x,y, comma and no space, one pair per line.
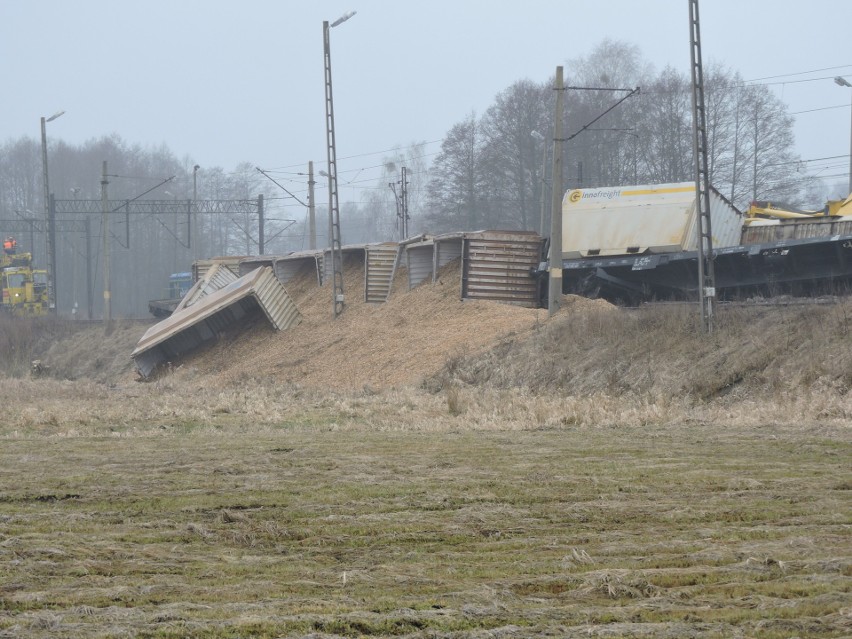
633,220
634,243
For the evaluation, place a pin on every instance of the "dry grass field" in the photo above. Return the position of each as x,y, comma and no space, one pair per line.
333,525
607,473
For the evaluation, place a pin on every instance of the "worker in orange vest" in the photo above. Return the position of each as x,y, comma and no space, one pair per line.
10,245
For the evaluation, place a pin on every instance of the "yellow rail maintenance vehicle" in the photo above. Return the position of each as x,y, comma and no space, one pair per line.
24,289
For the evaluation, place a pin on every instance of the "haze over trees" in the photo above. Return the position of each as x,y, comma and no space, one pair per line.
490,172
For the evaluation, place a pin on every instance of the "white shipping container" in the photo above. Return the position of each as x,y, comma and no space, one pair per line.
654,218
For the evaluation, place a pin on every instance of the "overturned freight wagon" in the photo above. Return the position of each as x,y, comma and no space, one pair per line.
427,255
258,293
495,265
215,278
287,266
231,262
498,266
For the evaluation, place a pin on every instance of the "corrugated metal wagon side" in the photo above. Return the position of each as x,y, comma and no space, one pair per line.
498,266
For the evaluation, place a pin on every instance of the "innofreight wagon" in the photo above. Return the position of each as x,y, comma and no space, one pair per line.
632,220
634,243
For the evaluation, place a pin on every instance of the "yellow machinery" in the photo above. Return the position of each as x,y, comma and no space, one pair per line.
840,207
24,288
767,210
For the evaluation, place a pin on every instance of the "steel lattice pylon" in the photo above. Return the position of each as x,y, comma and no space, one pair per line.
333,205
706,275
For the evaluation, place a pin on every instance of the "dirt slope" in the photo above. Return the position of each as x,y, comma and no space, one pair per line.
429,334
789,347
370,345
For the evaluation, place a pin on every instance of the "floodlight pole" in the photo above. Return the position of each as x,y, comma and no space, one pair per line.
843,82
336,250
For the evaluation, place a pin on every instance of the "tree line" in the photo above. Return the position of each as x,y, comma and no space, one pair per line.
491,168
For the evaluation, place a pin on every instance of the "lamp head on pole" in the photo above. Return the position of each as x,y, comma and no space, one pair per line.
343,18
54,116
842,82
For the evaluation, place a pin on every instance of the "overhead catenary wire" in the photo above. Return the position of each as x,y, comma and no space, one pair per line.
359,155
266,175
785,75
839,106
828,77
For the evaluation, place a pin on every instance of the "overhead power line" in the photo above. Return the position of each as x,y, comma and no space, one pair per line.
267,176
359,155
839,106
830,157
786,75
827,77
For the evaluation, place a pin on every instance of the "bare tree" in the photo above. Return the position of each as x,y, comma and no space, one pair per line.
665,129
608,151
771,170
510,154
456,190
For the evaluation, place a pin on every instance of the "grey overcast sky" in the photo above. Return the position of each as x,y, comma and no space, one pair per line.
224,81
